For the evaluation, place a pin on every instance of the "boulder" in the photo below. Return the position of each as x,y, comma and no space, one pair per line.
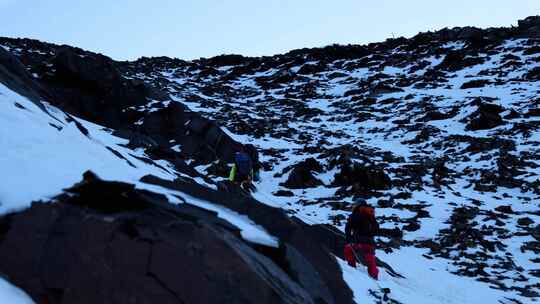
285,193
310,69
437,115
533,113
312,164
301,176
485,117
354,92
533,32
304,238
512,115
525,221
530,27
199,137
533,74
535,49
383,88
331,53
273,81
529,22
226,60
479,83
107,242
505,209
535,232
457,60
366,178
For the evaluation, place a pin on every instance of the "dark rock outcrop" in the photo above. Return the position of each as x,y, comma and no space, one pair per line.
533,74
14,76
457,60
200,138
530,26
108,242
289,231
302,177
285,193
366,178
485,117
89,86
475,84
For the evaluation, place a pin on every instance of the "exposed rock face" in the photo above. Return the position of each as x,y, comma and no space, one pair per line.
470,33
475,84
108,242
14,76
361,177
301,176
199,138
90,86
299,235
486,117
530,26
457,60
533,74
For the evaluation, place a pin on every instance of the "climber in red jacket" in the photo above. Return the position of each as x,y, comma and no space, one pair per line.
360,231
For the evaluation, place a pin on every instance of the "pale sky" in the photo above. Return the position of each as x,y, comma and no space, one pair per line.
189,29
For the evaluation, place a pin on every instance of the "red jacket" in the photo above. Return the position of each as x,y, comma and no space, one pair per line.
361,226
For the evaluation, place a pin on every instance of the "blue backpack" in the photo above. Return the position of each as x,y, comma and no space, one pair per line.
243,164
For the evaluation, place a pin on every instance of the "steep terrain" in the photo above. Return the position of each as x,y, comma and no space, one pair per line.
440,132
115,240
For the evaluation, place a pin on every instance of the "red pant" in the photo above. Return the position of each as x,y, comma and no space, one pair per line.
366,254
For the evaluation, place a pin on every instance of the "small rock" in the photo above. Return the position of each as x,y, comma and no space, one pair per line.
525,221
412,226
285,193
505,209
475,84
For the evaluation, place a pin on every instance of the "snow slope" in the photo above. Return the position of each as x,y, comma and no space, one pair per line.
11,294
46,152
407,130
422,285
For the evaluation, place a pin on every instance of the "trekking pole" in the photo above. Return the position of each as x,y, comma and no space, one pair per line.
355,255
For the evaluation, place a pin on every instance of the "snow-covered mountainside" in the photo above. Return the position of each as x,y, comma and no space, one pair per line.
440,132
